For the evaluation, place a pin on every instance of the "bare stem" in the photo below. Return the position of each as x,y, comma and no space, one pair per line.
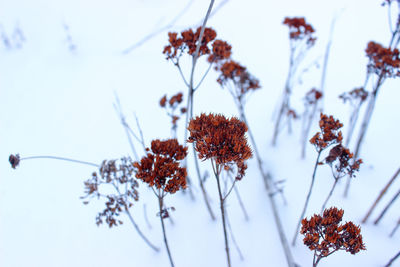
395,228
387,207
381,194
62,158
307,200
329,195
392,260
160,202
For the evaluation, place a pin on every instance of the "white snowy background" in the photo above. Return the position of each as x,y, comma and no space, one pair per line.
58,101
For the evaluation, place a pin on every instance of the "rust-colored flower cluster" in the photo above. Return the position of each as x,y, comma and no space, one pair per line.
187,42
383,61
118,174
173,103
313,96
300,30
242,80
161,168
329,134
355,94
325,235
14,160
343,157
220,139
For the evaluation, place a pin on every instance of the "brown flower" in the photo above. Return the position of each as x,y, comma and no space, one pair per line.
343,157
383,61
356,94
329,134
300,30
160,168
220,50
313,96
324,235
14,160
220,139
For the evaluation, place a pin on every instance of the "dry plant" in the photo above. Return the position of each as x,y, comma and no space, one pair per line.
223,142
161,170
301,40
325,235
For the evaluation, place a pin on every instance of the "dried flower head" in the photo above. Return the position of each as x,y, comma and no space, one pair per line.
313,96
242,80
220,139
161,167
343,159
173,104
300,30
187,42
220,50
14,160
324,235
329,134
383,61
357,94
118,174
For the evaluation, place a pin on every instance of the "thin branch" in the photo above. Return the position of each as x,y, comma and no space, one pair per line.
392,260
62,158
387,207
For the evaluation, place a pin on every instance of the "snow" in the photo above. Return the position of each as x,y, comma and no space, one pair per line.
54,101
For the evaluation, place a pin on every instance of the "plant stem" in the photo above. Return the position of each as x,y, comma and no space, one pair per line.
64,159
269,187
395,228
392,259
387,207
382,193
221,201
160,203
329,195
307,200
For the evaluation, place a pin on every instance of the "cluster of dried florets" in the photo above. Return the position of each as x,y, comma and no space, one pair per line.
187,42
300,30
329,134
383,61
172,105
161,167
356,94
118,174
220,139
242,80
14,160
313,96
343,157
324,235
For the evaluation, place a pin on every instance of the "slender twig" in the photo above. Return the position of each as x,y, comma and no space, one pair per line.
267,179
233,237
307,199
387,207
246,216
62,158
395,228
217,172
160,203
329,195
162,29
146,218
392,260
381,194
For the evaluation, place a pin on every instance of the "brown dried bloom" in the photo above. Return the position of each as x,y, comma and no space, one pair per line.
242,80
313,96
325,235
118,174
14,160
329,134
220,139
300,30
173,102
383,61
220,50
161,168
356,94
343,157
187,42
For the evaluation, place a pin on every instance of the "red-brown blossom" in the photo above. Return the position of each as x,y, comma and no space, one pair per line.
220,139
383,61
343,159
242,80
14,160
300,30
173,103
356,94
313,96
161,168
329,134
324,235
220,50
